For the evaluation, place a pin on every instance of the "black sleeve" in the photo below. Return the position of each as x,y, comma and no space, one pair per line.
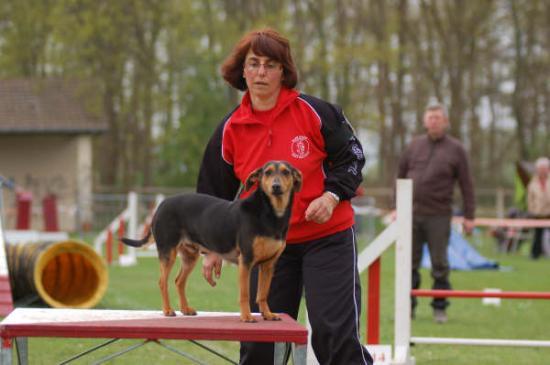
216,176
345,158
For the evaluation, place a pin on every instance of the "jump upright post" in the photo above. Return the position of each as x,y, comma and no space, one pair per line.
130,215
400,232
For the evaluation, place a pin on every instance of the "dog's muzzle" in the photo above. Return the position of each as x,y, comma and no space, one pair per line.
276,189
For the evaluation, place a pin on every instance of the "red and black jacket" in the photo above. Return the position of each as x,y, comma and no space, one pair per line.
311,134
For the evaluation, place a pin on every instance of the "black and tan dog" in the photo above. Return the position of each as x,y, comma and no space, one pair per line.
249,232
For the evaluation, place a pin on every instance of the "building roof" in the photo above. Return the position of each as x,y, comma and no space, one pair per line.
46,106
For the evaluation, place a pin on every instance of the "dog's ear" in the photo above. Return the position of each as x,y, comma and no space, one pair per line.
253,178
297,177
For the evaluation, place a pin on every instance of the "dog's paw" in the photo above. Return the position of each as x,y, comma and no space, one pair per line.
169,313
248,319
188,311
271,317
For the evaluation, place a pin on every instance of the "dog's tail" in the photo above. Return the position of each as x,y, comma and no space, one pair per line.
137,243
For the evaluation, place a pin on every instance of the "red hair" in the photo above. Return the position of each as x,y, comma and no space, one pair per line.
266,43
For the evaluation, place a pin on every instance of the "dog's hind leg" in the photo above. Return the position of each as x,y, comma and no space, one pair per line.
166,263
189,257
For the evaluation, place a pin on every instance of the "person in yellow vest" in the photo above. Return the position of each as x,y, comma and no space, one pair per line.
538,201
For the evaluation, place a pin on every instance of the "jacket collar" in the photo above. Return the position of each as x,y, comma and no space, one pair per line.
245,114
439,139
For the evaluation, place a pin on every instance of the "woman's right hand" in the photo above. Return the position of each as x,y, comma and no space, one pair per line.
211,262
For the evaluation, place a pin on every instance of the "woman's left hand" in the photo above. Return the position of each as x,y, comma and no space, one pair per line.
320,210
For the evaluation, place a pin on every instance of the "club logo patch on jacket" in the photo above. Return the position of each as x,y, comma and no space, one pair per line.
300,147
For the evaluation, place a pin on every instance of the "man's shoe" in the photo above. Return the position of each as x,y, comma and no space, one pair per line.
440,316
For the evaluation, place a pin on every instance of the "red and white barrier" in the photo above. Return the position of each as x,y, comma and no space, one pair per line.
508,222
480,341
479,294
400,231
106,237
6,299
126,225
145,226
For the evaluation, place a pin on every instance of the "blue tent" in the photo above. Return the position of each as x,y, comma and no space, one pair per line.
462,256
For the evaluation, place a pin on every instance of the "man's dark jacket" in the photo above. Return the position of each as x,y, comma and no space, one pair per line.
435,166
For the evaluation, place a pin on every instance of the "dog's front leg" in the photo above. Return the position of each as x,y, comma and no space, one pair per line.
244,292
265,275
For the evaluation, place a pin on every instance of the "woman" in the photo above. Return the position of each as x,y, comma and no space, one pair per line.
538,201
276,122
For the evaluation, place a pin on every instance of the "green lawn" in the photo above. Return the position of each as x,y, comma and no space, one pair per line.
136,288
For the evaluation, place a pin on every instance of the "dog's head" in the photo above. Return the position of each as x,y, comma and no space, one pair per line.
278,180
275,178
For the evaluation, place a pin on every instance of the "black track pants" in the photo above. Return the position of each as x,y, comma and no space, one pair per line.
326,269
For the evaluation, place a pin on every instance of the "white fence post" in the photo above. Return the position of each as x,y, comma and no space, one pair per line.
129,214
142,229
403,274
130,257
4,272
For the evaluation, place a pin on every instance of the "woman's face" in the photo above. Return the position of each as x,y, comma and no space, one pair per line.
263,75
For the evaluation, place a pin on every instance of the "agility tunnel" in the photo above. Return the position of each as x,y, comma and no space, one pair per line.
63,274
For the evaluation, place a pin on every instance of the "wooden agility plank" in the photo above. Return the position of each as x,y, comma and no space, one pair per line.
97,323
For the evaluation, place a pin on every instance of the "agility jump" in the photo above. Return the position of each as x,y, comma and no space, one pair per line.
400,231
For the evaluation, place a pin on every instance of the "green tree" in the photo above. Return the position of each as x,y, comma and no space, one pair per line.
25,28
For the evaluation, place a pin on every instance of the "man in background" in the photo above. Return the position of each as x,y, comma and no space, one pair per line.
435,161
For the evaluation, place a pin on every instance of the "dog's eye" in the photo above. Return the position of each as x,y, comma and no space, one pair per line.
268,173
285,172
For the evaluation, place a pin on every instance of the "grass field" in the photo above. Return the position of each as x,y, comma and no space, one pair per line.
136,288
